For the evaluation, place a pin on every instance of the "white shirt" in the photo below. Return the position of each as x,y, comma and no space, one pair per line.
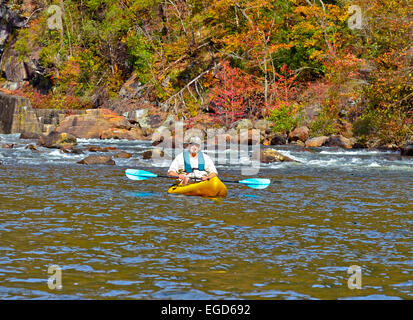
178,165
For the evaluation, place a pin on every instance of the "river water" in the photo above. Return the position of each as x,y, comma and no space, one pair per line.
114,238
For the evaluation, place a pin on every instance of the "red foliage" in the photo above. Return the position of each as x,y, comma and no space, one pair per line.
229,97
284,90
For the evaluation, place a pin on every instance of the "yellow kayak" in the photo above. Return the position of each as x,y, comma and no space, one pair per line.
210,188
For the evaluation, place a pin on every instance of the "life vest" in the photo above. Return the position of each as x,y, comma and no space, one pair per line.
187,162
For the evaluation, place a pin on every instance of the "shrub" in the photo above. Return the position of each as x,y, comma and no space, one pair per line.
285,118
229,97
323,125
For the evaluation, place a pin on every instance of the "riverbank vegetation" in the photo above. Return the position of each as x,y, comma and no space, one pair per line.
335,67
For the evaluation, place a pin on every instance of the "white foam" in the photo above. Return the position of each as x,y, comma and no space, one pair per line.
355,153
113,141
374,165
329,162
289,155
58,154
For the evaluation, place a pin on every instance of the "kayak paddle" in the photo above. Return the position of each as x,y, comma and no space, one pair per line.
139,175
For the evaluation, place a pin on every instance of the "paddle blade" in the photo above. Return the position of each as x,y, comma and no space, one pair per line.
139,175
256,183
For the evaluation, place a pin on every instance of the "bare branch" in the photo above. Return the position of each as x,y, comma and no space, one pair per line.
186,87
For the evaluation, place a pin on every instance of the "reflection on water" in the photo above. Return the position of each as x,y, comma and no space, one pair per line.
120,239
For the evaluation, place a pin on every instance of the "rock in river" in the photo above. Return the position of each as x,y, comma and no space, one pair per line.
316,142
299,134
338,141
97,160
123,154
57,140
271,155
407,150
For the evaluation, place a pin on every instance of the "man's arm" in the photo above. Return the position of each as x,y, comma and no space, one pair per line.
210,168
174,168
176,175
210,176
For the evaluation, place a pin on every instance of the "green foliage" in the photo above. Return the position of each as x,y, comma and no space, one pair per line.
384,126
22,45
141,56
323,125
285,118
366,124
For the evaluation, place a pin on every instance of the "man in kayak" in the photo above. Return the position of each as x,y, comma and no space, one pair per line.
192,163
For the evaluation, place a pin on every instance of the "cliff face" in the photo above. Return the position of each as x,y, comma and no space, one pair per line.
17,115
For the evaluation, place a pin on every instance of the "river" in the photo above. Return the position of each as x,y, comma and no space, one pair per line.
114,238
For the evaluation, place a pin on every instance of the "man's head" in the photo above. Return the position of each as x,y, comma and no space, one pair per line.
194,145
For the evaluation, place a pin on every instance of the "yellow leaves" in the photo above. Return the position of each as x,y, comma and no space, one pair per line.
310,43
275,47
302,10
316,55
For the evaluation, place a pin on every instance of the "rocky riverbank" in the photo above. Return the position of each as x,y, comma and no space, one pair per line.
60,129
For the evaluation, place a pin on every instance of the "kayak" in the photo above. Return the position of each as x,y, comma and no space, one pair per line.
209,188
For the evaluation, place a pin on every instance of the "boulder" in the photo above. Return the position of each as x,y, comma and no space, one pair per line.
389,147
70,149
262,125
93,148
221,138
170,125
135,133
242,124
8,145
93,123
271,155
278,139
338,141
316,142
299,134
30,135
123,154
168,142
249,137
298,143
138,116
57,140
152,153
154,121
31,147
360,144
407,150
97,160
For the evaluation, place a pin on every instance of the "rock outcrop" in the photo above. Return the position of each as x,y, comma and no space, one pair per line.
93,123
17,115
135,133
49,119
